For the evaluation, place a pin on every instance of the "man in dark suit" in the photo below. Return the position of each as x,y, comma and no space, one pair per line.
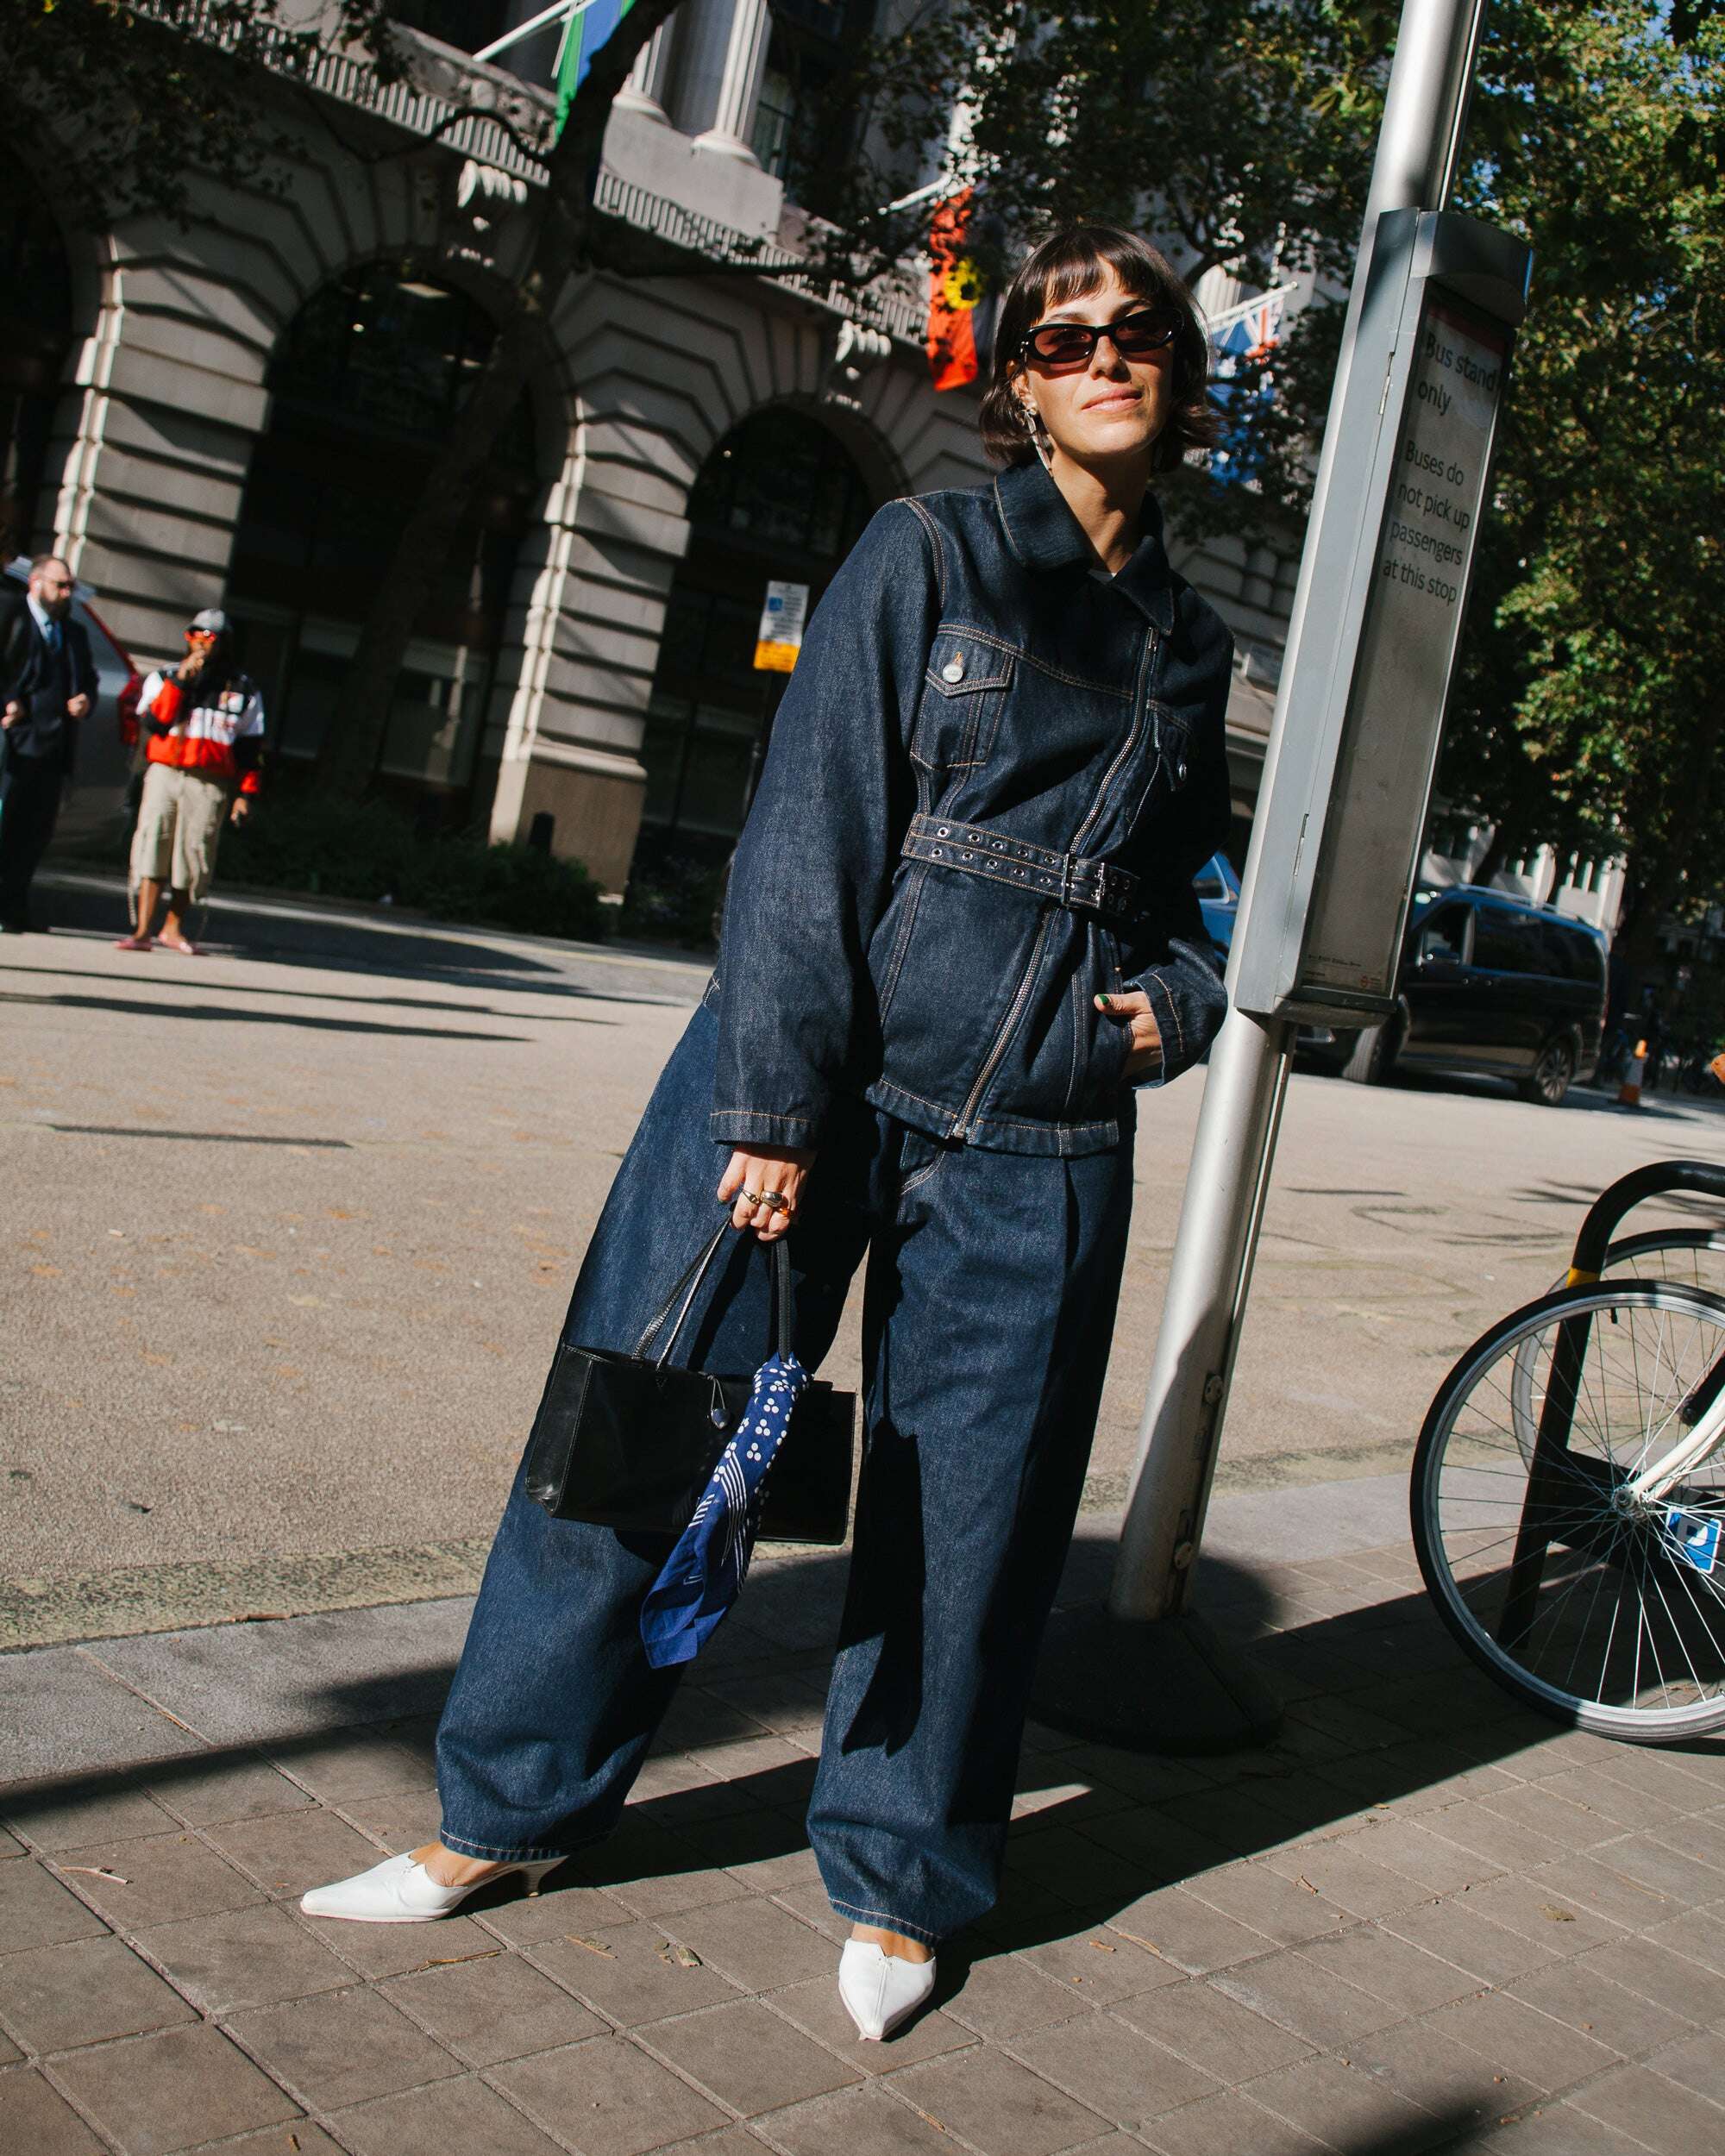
47,684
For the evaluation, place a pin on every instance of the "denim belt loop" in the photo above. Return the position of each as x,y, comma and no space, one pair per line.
1079,884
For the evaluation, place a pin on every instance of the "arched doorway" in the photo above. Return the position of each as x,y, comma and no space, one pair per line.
779,497
364,382
35,334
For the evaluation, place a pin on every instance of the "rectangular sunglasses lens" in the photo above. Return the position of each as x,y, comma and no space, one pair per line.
1062,341
1138,335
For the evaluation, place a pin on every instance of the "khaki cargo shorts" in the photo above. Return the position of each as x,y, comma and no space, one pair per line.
179,828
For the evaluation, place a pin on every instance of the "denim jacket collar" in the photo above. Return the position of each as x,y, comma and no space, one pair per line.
1043,533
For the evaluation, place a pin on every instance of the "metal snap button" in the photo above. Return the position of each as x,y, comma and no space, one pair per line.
944,832
953,670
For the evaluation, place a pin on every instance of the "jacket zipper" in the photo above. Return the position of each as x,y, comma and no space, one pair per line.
962,1127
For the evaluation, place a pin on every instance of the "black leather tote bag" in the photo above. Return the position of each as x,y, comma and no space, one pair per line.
631,1441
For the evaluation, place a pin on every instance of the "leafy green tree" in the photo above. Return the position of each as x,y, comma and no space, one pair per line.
1591,716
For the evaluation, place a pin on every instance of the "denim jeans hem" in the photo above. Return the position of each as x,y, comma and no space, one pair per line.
882,1923
488,1853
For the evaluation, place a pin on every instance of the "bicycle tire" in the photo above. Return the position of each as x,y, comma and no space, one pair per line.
1471,1482
1636,1255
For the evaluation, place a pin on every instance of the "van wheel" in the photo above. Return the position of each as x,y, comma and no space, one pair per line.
1552,1075
1374,1053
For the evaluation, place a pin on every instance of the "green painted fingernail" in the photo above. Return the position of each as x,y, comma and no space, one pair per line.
1103,1001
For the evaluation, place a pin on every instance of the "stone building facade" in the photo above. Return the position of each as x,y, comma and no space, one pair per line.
239,407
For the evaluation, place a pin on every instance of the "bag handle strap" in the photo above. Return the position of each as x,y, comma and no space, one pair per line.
690,1286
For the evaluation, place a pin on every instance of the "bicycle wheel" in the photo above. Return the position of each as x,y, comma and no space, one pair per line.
1693,1258
1590,1582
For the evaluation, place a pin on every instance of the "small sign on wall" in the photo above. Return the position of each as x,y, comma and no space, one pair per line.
780,635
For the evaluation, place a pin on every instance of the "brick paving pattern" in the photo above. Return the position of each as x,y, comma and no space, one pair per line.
1422,1920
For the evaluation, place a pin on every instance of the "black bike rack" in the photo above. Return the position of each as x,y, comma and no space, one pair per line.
1554,1471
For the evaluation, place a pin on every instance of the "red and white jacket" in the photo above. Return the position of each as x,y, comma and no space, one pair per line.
220,738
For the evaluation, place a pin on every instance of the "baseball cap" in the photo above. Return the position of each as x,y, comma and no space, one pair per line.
212,619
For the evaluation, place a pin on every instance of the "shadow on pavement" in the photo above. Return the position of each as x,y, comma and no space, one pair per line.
236,1014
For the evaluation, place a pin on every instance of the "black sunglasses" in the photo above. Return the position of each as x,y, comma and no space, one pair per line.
1144,331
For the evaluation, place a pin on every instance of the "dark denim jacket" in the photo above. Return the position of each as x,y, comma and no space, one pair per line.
971,664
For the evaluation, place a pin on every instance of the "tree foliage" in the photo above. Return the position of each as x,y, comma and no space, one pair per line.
1591,713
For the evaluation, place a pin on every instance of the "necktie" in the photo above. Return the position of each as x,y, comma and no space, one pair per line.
52,634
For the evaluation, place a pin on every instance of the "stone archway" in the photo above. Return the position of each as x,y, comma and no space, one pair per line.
779,497
35,336
363,383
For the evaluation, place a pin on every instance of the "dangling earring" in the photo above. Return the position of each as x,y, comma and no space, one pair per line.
1038,432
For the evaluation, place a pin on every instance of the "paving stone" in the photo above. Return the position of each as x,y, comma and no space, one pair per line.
1389,1969
242,1958
1558,2129
1517,2040
998,2107
1575,1992
64,1714
37,2121
1442,2076
1543,1808
1228,2125
865,2122
396,1950
341,2048
1343,1875
1539,1908
607,2096
1267,1903
1699,1935
57,1815
299,2139
1103,1963
400,1819
212,1794
1613,1904
9,2052
669,1893
1651,2108
816,2006
1345,2107
1003,1997
491,2008
749,2057
755,1945
554,1911
1703,1839
811,1904
1624,1807
83,1992
1408,1846
1655,1863
1188,1932
1114,2069
1324,2009
156,2094
454,2117
1205,2025
36,1910
1484,1832
289,1852
1669,1980
631,1974
154,1880
350,1764
1698,2064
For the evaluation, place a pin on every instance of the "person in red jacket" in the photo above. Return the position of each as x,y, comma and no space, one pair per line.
203,725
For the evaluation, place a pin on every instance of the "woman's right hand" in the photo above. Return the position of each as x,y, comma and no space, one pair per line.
782,1169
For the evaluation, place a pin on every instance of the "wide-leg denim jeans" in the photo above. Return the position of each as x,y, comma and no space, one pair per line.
989,1301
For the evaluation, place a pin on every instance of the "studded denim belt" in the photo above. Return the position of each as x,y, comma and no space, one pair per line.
1090,886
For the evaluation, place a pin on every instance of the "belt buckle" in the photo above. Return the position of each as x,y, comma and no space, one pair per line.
1066,879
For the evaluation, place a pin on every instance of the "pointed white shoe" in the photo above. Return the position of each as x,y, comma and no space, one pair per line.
400,1891
879,1989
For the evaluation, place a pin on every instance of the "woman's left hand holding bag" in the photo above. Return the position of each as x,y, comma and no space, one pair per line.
766,1184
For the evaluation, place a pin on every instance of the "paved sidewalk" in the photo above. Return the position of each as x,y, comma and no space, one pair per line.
1423,1920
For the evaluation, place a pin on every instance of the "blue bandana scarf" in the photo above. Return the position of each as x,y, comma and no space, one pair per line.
702,1575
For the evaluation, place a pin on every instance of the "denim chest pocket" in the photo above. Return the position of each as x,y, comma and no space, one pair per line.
964,687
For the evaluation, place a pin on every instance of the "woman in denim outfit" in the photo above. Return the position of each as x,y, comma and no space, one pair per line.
961,931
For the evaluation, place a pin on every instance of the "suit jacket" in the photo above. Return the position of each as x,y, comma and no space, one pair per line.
27,668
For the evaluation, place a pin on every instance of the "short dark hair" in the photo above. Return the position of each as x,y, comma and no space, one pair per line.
1066,265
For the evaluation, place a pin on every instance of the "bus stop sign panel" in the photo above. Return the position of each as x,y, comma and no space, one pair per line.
1340,850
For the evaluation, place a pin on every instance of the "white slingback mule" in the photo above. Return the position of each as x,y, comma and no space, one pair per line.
400,1891
879,1989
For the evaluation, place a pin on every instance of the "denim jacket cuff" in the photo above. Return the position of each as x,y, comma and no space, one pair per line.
754,1126
1166,1013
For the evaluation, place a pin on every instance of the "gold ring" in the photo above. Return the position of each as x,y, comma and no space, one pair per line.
752,1197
